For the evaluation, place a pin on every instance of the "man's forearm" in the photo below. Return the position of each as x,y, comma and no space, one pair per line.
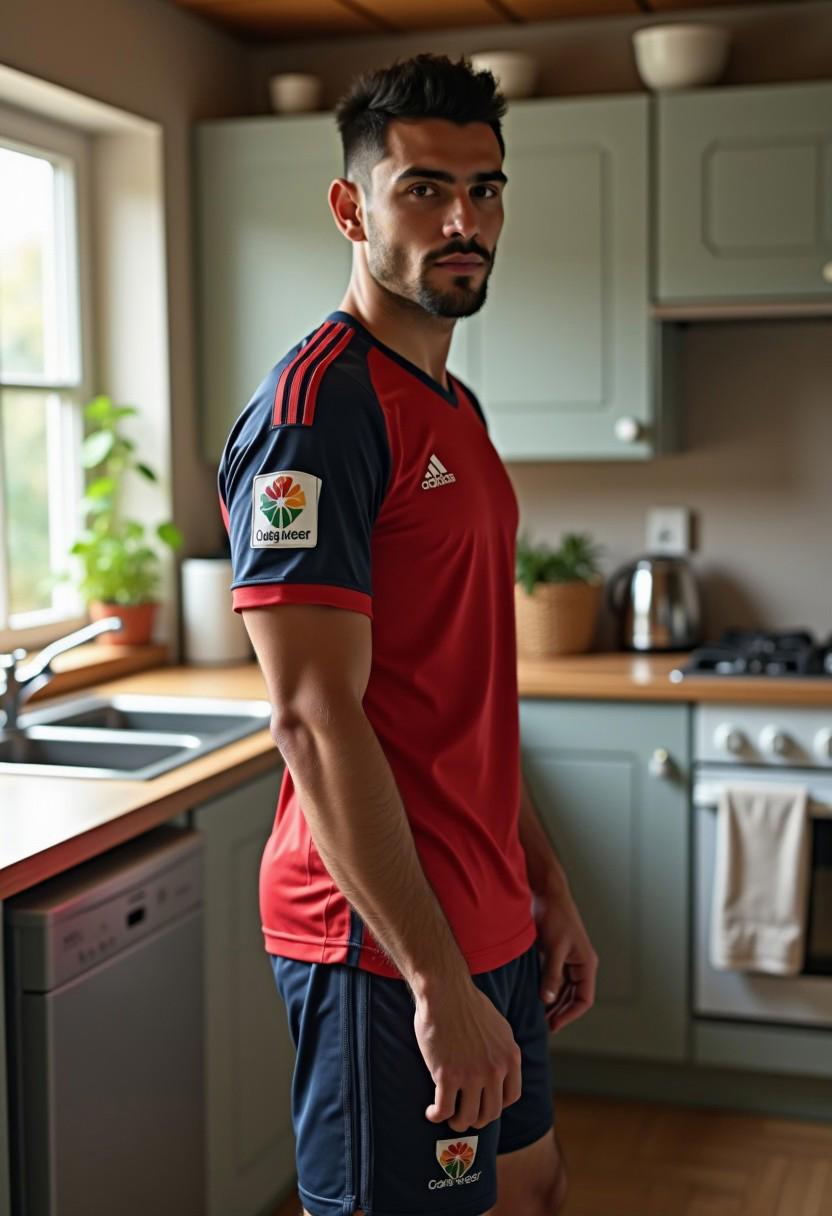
544,869
359,826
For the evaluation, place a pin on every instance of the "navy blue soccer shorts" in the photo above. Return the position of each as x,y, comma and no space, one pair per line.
360,1088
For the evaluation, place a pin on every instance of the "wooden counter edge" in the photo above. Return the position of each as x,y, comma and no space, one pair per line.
134,821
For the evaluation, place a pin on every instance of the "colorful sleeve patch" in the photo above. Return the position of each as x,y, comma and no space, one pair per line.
284,510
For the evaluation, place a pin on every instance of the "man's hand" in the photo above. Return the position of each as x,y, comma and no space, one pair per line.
469,1049
570,964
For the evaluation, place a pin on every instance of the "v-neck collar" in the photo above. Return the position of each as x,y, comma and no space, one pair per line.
451,396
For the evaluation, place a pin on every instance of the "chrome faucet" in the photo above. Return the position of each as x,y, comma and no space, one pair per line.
17,686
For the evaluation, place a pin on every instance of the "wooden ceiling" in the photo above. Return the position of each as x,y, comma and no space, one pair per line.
262,20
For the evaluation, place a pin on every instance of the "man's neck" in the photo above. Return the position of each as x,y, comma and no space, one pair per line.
405,328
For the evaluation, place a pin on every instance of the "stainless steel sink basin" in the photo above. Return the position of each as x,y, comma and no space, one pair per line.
91,753
130,735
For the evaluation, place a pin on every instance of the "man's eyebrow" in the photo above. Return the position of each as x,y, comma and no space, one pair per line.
440,175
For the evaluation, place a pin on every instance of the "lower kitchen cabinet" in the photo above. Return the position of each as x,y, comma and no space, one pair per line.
249,1055
611,782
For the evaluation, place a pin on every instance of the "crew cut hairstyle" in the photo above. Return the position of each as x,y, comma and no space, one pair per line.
426,86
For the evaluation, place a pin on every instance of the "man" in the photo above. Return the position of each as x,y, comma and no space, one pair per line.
420,928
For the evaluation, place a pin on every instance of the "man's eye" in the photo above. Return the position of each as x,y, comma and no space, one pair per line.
494,192
421,186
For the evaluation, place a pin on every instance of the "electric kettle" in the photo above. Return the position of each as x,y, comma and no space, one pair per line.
656,604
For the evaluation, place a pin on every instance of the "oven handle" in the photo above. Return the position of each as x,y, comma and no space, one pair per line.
707,794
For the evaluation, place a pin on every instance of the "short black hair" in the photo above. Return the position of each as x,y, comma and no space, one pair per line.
426,86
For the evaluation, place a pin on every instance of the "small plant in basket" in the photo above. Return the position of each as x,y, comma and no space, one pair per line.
557,596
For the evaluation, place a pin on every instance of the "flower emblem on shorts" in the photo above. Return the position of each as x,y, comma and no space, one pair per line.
456,1156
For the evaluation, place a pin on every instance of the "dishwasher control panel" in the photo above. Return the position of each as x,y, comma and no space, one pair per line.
70,923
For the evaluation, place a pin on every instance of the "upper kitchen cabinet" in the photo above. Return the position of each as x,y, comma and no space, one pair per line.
564,355
745,193
270,261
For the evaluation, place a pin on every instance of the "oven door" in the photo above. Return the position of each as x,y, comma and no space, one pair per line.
805,998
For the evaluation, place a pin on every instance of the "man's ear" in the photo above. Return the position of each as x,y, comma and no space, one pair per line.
347,207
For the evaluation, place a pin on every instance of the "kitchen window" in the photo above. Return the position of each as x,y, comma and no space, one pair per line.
44,304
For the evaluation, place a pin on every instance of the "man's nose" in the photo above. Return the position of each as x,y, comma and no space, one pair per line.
461,218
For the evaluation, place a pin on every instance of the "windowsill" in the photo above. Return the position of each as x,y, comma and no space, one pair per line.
95,662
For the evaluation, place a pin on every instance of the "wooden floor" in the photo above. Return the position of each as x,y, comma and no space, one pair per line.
648,1159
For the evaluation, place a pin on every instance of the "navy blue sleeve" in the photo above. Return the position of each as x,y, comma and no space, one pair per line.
299,499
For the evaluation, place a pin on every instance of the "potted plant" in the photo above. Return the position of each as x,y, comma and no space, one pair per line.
120,570
557,596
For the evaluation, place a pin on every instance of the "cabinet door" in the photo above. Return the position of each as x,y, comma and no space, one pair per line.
249,1055
745,192
271,262
564,346
621,831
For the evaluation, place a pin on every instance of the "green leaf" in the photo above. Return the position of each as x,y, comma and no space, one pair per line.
100,487
99,408
96,447
134,529
145,471
170,534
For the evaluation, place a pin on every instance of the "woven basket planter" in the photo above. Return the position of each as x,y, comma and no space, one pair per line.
557,618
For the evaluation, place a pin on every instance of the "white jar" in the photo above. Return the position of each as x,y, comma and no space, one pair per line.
212,631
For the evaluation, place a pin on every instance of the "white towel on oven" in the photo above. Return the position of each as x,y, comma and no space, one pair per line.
761,878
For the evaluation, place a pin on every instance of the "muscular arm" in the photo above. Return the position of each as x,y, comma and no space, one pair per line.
316,663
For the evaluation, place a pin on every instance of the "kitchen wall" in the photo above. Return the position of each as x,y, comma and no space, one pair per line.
757,397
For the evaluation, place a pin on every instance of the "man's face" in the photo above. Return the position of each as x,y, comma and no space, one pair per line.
434,212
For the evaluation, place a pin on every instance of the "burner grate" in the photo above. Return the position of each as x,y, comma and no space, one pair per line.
754,652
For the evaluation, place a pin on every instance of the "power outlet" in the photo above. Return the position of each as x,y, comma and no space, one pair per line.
668,530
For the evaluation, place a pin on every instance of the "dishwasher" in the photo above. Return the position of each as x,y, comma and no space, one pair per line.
104,1004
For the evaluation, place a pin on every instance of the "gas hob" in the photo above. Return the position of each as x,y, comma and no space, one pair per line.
751,652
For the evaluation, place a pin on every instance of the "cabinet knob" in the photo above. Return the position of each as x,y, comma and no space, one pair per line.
628,429
826,272
660,764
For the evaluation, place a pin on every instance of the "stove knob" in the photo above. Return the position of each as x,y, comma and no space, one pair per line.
774,742
823,744
729,739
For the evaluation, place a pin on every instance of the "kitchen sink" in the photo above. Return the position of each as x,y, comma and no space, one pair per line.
41,746
128,735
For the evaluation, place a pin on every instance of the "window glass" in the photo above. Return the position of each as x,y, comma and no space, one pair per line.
28,295
26,489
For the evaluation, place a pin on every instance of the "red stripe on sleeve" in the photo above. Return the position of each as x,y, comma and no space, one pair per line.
291,414
224,514
301,593
314,343
309,404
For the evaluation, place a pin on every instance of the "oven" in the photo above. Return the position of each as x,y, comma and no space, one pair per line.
777,744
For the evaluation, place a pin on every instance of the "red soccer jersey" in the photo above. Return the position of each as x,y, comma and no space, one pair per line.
354,479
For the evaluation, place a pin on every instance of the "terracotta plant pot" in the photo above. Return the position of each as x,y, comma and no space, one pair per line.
557,618
137,627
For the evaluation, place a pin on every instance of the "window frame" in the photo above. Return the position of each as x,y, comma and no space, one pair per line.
70,150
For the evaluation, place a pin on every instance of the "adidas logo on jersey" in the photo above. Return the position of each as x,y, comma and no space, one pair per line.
436,474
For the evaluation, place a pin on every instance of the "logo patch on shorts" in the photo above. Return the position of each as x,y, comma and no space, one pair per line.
456,1157
284,510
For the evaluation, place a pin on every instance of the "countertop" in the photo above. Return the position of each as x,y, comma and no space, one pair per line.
51,823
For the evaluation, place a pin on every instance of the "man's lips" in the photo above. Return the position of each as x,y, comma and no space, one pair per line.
469,263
